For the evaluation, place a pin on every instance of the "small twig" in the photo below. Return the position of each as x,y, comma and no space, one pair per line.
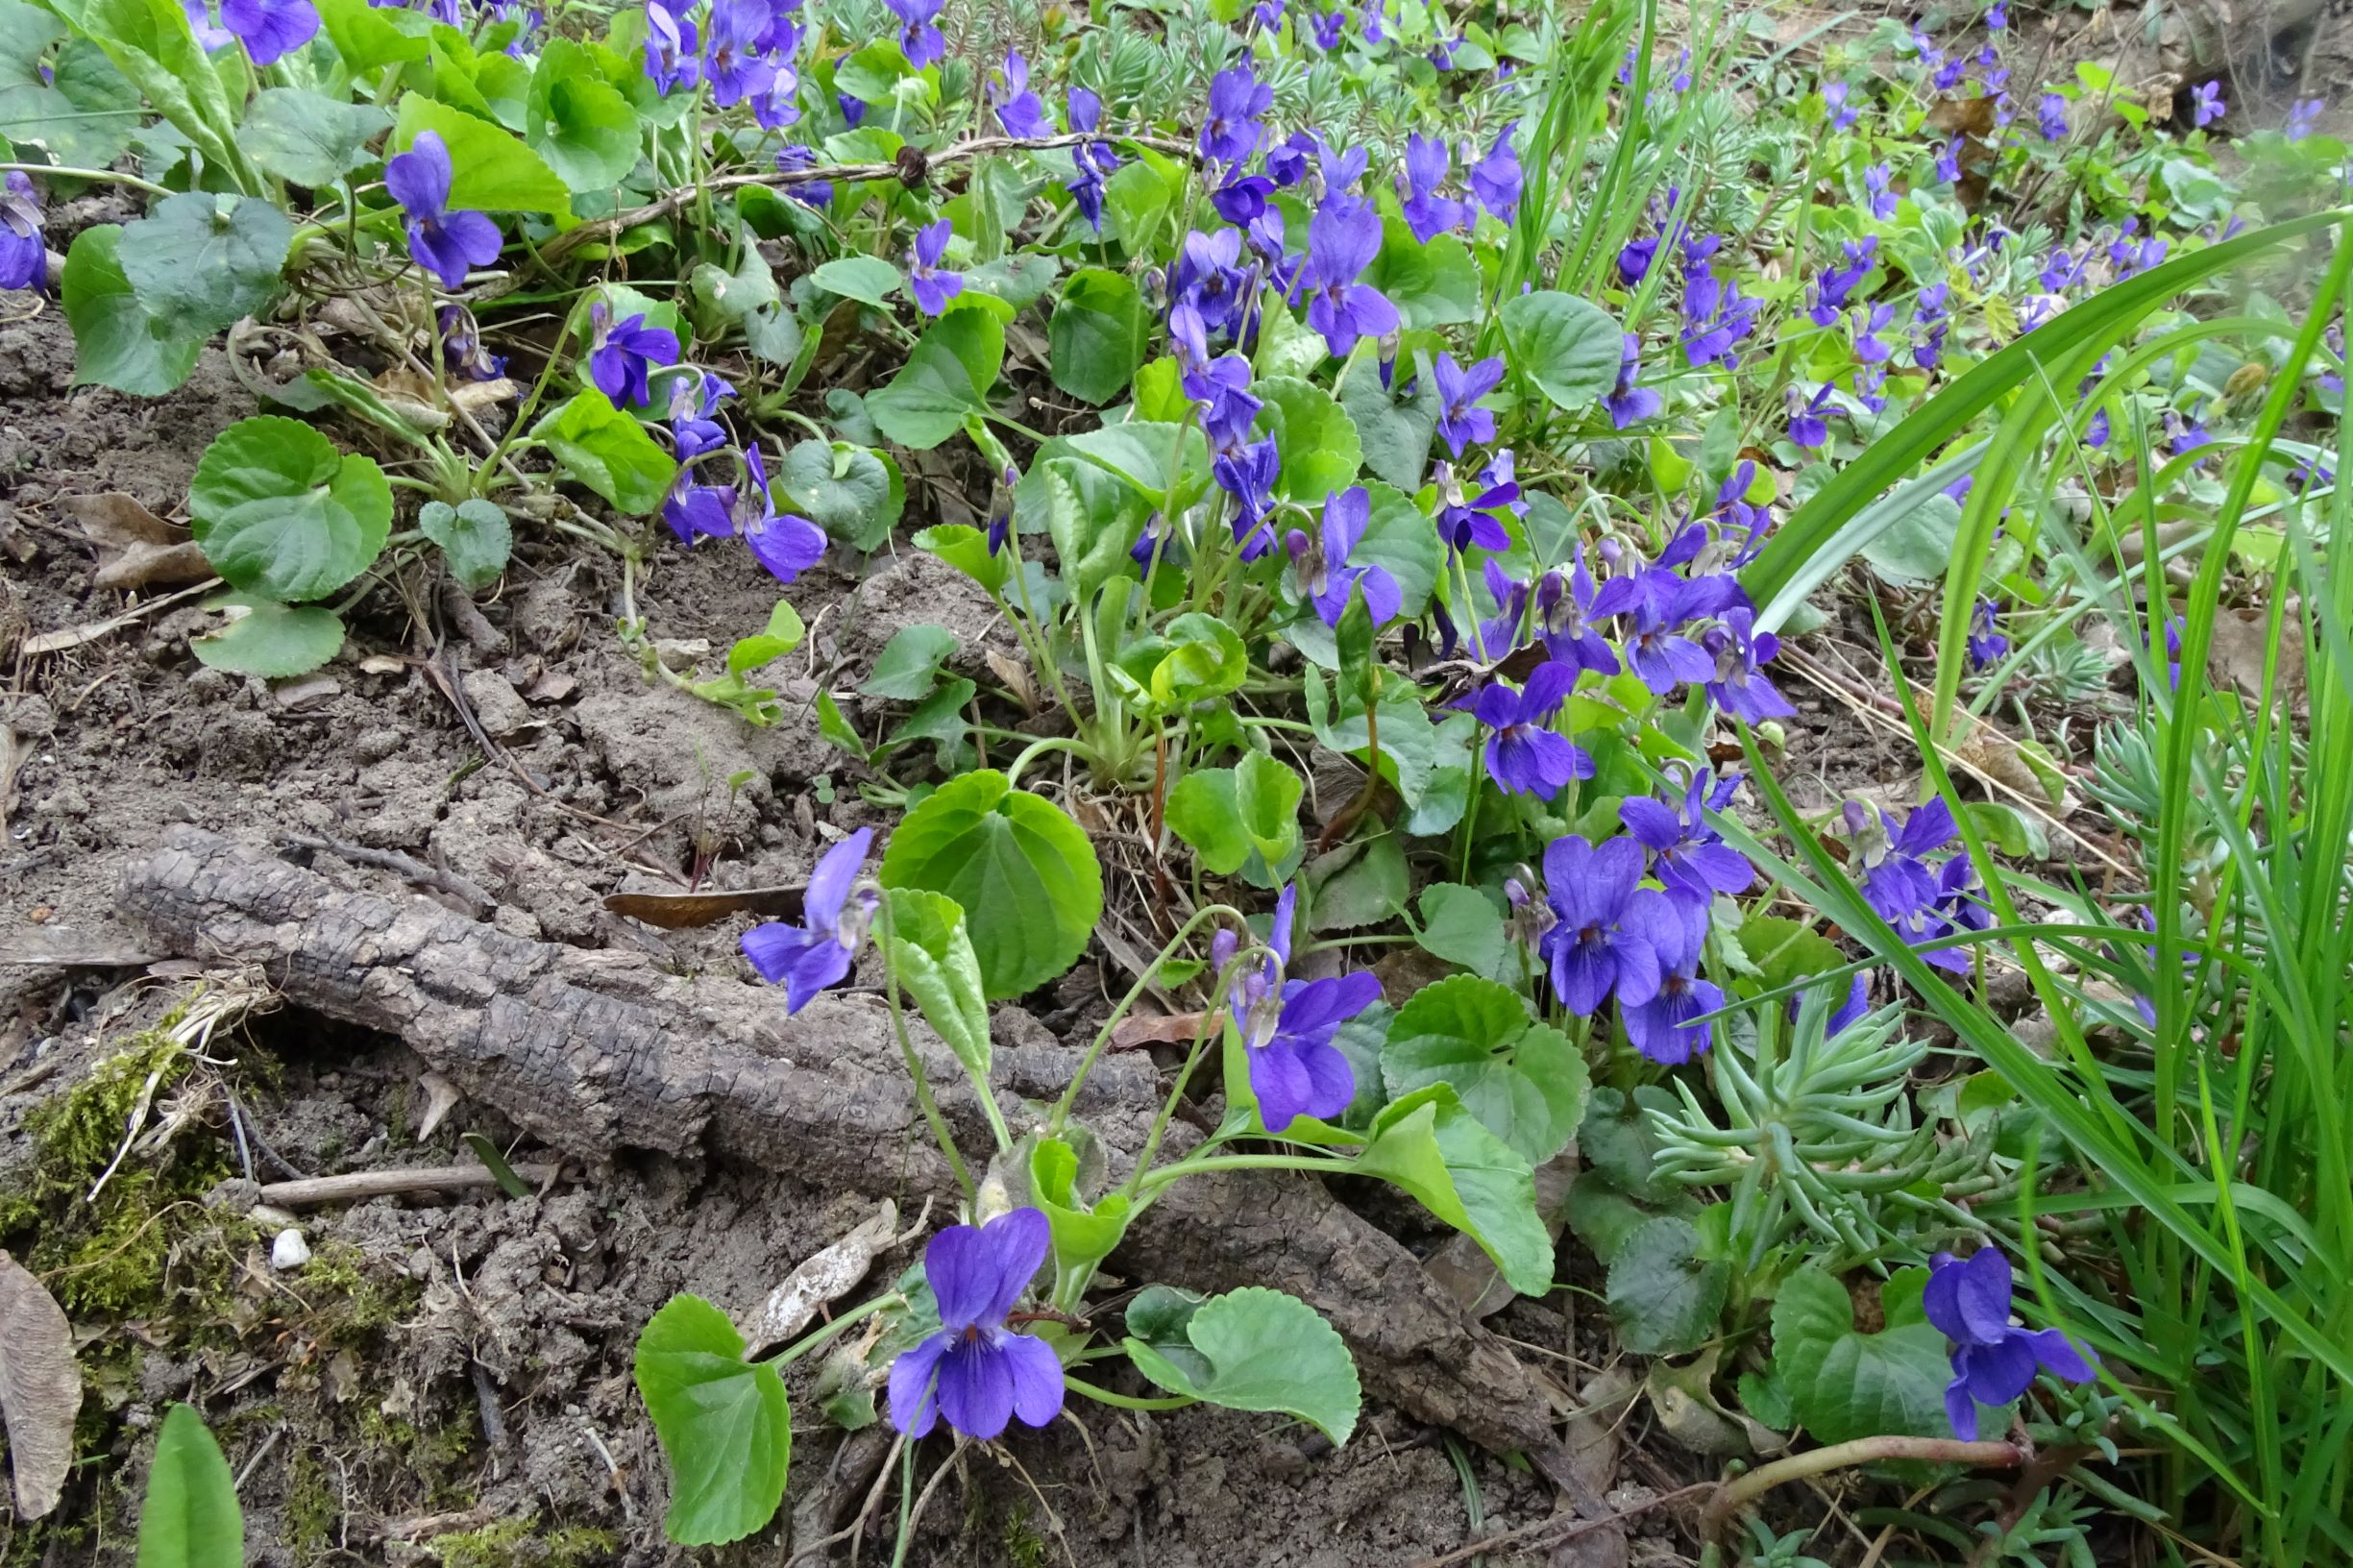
408,868
378,1183
254,1463
1554,1536
138,1119
251,1127
628,1508
1733,1495
58,642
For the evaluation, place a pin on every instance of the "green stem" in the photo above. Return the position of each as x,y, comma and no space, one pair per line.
1045,744
809,1341
1102,1037
1127,1401
1718,1514
1324,1167
915,1069
56,170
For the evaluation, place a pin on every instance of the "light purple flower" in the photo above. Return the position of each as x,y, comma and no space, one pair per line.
1657,650
1296,1071
2206,103
1878,190
693,431
1248,475
732,62
1326,578
931,287
1675,928
1843,114
1629,405
977,1372
808,958
2051,117
1896,880
1567,604
1523,755
1993,1361
1222,387
2304,117
1739,686
446,244
699,511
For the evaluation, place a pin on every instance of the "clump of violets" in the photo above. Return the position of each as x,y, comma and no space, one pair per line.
621,354
1994,1360
24,260
446,244
808,958
977,1373
932,285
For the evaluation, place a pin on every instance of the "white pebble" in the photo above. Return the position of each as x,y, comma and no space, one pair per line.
289,1250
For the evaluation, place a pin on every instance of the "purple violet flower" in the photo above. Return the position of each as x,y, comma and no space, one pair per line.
693,431
446,244
1739,687
1462,422
1495,179
1843,114
1287,162
1567,604
699,511
1986,643
2206,103
918,38
1655,650
1325,29
1687,855
816,193
785,543
461,340
621,354
1325,576
1808,428
1835,286
24,260
1591,955
1248,475
808,958
1342,240
1018,108
977,1372
1223,386
1896,881
731,58
1674,930
1948,161
1091,160
1993,1361
1629,405
2051,117
271,29
1525,757
931,287
671,43
1427,213
1295,1070
2304,117
1466,522
1877,183
1237,99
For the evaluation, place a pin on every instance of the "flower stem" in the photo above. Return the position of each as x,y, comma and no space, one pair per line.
58,171
1102,1037
1125,1402
809,1341
914,1068
1732,1495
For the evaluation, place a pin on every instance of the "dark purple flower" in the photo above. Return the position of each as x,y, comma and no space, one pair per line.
271,28
1237,99
785,543
1986,643
2051,117
817,193
621,354
808,958
1222,386
1524,756
1466,522
461,343
1342,240
976,1372
1588,888
1495,179
1806,426
918,38
1993,1361
1896,880
1869,347
1629,405
1427,213
1634,262
1856,1004
1836,285
1296,1071
1566,606
1948,161
1325,29
24,260
1254,999
1462,422
1018,108
1325,576
697,511
1656,649
1674,930
1341,170
1500,634
446,244
1248,475
1997,16
1287,163
1687,855
931,287
731,59
1242,198
671,49
692,401
1091,160
1712,340
1739,687
2206,103
1206,288
778,104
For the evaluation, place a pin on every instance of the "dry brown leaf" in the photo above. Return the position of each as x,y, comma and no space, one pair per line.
115,521
1155,1029
143,566
682,910
40,1388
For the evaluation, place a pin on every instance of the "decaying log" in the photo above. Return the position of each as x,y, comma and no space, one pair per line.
598,1052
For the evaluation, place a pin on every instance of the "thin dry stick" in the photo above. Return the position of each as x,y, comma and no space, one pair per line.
1553,1535
377,1184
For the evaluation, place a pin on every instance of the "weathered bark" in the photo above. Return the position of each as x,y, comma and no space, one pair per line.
599,1052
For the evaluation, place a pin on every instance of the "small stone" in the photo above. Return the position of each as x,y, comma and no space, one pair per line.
307,692
290,1251
238,1195
496,702
268,1216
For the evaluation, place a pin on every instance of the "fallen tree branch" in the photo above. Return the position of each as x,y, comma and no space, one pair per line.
351,1188
598,1052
